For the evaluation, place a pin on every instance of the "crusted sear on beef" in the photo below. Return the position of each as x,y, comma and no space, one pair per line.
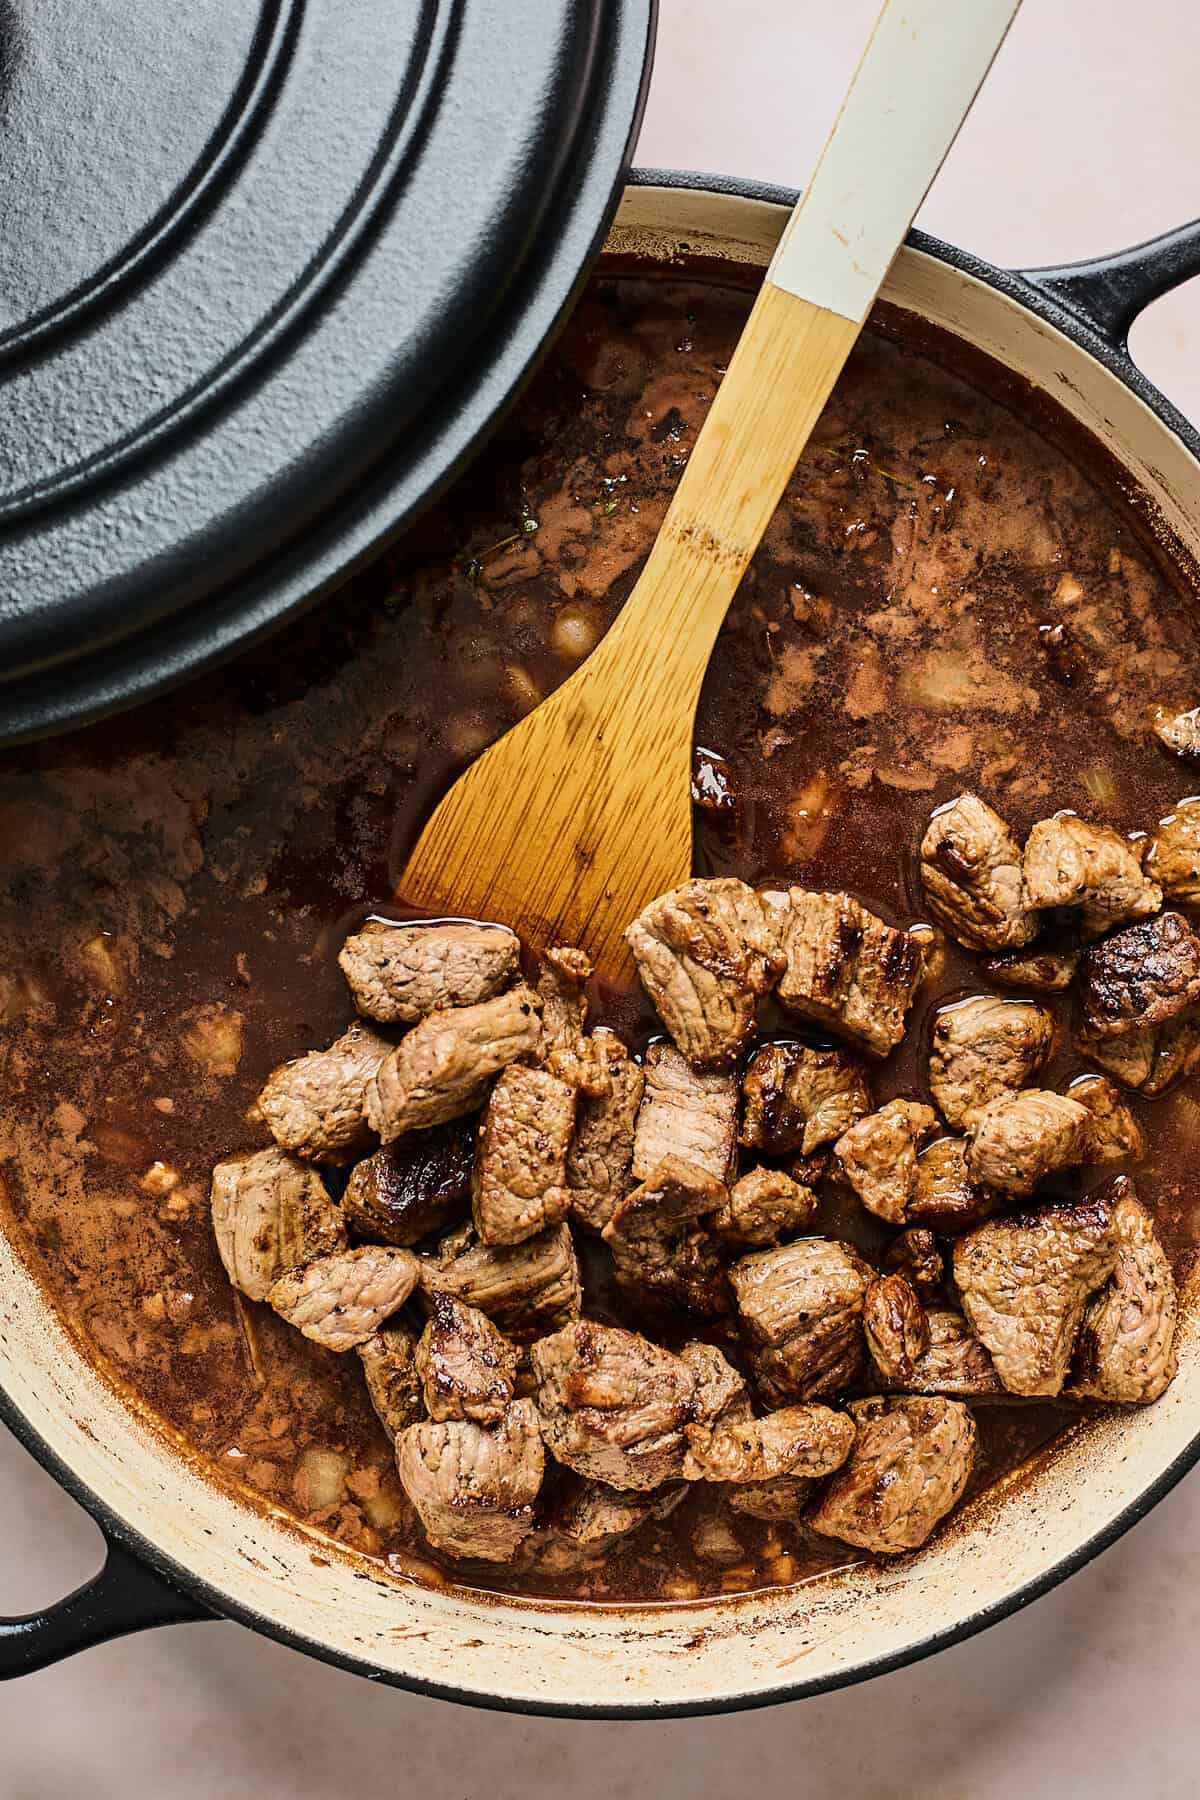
1013,1142
1150,1060
613,1405
971,873
663,1257
800,1313
340,1299
523,1288
567,1050
519,1184
1115,1134
915,1255
401,973
1069,862
684,1113
269,1213
1041,971
1179,732
896,1328
948,1198
1024,1283
473,1486
601,1151
806,1441
846,969
778,1502
467,1368
878,1156
764,1206
721,1392
954,1362
317,1106
411,1188
705,953
798,1098
911,1461
1140,976
442,1068
1126,1345
389,1365
1173,859
985,1047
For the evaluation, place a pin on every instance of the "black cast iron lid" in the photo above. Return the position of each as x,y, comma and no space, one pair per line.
268,268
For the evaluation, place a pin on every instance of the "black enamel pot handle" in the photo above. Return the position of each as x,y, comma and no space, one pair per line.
1107,293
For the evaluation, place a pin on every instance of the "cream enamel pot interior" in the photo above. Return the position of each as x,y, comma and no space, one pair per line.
182,1547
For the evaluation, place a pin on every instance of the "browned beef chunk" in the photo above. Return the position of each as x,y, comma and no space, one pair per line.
340,1299
589,1520
896,1327
971,872
1040,971
442,1068
613,1405
983,1048
1126,1345
1180,732
1173,859
800,1311
1071,863
1024,1283
911,1461
705,953
712,1536
1014,1141
389,1364
402,973
1116,1135
808,1441
948,1199
955,1362
664,1259
467,1368
878,1156
779,1502
763,1207
915,1255
684,1113
523,1288
798,1098
579,1060
270,1212
845,969
317,1105
721,1393
520,1182
601,1151
1140,976
413,1187
473,1486
1151,1060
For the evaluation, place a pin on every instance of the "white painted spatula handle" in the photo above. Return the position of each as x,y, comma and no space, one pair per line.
913,88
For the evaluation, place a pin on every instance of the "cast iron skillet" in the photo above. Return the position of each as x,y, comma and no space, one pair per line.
1092,303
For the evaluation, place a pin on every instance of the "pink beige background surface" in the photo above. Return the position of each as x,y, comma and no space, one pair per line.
1087,138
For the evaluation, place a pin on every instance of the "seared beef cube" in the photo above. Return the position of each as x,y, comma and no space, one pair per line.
948,1198
910,1465
270,1212
721,1393
589,1521
798,1098
663,1258
845,968
712,1536
971,873
704,953
878,1157
1151,1060
473,1486
413,1187
1071,863
613,1405
1014,1141
778,1502
1141,976
1041,971
389,1364
800,1310
915,1255
954,1362
808,1441
339,1300
1180,732
567,1050
519,1185
896,1327
763,1207
983,1048
1024,1283
684,1113
467,1368
522,1288
1126,1345
402,973
1173,859
317,1105
442,1068
1115,1134
602,1149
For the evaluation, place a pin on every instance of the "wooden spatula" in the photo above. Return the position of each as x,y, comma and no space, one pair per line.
580,814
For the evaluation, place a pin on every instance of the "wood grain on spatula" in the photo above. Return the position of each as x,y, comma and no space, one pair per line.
581,814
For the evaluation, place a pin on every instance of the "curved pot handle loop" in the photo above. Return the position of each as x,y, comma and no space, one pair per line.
125,1596
1109,292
